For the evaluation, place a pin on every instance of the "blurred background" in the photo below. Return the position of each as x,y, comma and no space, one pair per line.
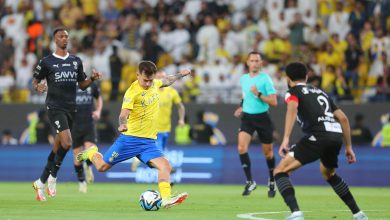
345,44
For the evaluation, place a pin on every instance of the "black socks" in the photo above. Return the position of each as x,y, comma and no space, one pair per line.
246,165
342,190
286,189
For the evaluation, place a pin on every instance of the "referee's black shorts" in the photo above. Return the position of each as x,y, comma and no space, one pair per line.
324,146
60,119
83,132
261,123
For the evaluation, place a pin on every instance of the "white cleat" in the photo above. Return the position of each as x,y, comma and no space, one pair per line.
174,200
40,190
83,187
51,186
298,215
89,177
360,216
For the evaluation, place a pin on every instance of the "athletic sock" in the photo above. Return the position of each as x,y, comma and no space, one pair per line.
46,171
286,189
271,167
88,162
165,189
342,190
80,172
59,157
246,165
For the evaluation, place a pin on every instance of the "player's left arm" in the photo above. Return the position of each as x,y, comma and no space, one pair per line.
98,108
170,79
343,120
83,85
98,102
270,96
182,112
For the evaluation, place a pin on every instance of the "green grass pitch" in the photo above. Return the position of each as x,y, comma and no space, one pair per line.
205,202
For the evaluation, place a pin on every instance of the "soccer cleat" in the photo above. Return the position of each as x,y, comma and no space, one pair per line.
360,216
298,215
51,186
89,177
171,201
249,187
271,189
40,192
84,154
83,187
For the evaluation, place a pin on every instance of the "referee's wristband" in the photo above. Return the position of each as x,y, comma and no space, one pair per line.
259,95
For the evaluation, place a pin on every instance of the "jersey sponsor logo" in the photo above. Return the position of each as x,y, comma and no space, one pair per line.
65,76
83,99
65,64
56,65
149,100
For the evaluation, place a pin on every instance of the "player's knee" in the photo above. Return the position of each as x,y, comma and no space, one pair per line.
269,154
242,149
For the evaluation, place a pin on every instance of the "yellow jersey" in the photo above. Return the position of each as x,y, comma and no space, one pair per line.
144,106
168,96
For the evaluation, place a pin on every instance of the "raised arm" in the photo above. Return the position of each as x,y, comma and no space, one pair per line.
83,85
170,79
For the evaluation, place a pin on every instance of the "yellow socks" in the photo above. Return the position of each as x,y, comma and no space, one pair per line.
91,152
165,189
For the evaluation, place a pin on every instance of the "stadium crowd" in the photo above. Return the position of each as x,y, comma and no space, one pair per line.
345,44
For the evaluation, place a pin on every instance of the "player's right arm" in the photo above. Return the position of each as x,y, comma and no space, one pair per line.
123,116
127,106
344,122
40,73
291,116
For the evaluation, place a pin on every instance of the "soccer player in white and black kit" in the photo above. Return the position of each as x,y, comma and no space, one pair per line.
58,74
89,107
325,126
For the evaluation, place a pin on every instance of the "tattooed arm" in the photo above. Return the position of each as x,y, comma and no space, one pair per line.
170,79
123,116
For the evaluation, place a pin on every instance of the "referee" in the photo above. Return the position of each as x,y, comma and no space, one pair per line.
258,94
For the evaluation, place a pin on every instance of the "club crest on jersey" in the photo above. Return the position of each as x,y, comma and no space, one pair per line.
75,65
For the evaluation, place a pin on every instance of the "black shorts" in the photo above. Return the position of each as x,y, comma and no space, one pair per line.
325,146
261,123
60,120
82,132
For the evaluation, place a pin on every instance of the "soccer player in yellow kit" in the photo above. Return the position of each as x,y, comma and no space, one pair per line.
168,97
137,122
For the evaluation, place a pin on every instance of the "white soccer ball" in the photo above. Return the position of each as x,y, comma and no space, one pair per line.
150,200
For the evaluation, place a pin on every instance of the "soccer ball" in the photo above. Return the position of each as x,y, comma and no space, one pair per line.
150,200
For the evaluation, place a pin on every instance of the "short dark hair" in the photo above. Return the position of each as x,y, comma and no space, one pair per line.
147,67
296,71
58,30
253,53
